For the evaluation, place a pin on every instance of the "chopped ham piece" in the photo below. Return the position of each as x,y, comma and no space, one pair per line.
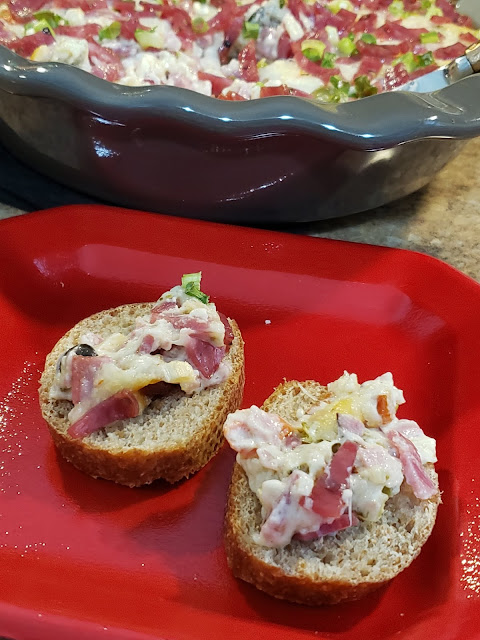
121,406
369,66
395,31
415,474
282,90
146,345
448,53
231,96
365,24
106,63
27,45
219,83
284,47
341,465
228,330
85,32
326,496
23,10
467,39
247,62
84,370
348,423
326,502
384,52
204,356
178,18
159,309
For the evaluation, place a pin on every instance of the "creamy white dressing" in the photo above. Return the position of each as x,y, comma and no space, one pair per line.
67,50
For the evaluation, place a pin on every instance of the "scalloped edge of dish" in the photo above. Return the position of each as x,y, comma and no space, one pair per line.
377,122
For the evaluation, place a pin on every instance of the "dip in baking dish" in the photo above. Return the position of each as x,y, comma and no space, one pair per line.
333,51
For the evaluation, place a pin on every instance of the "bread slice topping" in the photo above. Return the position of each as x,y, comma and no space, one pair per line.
336,465
182,341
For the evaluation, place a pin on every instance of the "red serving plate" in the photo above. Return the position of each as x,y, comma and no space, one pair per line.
84,558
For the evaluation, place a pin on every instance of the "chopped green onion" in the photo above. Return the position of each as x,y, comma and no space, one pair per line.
313,49
430,37
341,85
337,91
408,60
191,286
282,3
369,38
199,25
110,33
328,60
363,87
250,30
347,47
51,18
41,25
262,63
412,62
150,39
431,9
397,9
425,59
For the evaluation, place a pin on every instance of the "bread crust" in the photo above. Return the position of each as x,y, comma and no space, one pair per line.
345,566
175,457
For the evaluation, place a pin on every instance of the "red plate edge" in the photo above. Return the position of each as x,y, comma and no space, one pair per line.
456,298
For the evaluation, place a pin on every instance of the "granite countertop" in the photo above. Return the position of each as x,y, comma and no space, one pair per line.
443,219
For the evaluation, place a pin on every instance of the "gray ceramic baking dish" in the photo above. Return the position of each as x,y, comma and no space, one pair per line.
272,160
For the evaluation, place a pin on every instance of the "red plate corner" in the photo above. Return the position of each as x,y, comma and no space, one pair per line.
84,558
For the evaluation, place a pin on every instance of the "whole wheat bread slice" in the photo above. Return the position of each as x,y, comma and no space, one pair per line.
335,568
174,437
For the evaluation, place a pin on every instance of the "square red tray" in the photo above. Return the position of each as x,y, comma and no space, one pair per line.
84,558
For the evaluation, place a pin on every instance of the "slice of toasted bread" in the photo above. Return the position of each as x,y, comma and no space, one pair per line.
339,567
174,437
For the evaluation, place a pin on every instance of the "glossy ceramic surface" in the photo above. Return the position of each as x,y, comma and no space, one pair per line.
86,559
272,160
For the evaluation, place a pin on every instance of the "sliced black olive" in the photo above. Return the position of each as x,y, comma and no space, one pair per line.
85,350
80,350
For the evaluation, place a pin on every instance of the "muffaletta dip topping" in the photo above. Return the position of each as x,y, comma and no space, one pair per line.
329,50
336,465
181,341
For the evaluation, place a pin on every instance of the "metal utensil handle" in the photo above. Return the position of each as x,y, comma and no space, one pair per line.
465,65
473,56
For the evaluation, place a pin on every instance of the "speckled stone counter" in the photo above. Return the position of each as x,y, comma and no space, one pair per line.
443,219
